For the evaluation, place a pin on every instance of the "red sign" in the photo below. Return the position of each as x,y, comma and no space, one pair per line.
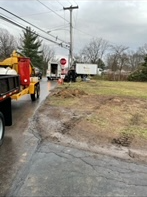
62,61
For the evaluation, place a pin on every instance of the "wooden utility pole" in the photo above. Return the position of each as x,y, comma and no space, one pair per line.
71,35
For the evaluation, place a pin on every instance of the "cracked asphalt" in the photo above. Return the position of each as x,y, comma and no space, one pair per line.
56,170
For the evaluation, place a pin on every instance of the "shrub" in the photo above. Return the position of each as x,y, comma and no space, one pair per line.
139,75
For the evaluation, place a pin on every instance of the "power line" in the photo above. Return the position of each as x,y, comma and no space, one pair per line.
52,11
12,22
60,3
92,35
20,26
75,2
39,13
32,24
75,18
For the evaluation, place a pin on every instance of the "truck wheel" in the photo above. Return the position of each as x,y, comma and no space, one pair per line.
36,93
38,90
2,128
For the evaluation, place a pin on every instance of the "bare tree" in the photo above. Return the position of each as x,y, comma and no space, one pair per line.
111,62
48,55
79,58
119,56
94,50
7,44
143,50
134,60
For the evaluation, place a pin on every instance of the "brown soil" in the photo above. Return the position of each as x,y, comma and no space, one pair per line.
94,121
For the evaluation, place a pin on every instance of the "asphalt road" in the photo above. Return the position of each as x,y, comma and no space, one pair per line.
18,142
57,171
31,168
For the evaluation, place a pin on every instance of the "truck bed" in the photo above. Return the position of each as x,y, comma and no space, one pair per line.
9,84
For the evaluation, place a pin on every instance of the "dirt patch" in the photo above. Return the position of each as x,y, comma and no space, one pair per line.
66,93
123,140
93,120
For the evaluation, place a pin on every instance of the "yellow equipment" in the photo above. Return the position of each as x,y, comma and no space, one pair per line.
29,84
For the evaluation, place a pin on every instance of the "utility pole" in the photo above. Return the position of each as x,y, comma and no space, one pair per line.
71,35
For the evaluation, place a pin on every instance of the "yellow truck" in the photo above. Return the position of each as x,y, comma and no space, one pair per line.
17,78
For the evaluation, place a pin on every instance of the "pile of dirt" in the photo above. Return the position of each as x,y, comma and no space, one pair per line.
123,140
69,93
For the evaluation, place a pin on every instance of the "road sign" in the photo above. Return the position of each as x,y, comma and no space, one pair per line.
63,61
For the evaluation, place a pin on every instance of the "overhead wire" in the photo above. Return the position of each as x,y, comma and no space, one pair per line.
20,26
75,2
91,35
39,13
64,23
52,11
69,2
55,12
75,20
60,3
12,22
32,24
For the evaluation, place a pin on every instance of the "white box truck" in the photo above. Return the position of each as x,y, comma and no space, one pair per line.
86,69
53,71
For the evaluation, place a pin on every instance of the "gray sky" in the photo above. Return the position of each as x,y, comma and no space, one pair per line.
119,22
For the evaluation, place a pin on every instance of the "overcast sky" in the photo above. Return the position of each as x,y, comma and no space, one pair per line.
119,22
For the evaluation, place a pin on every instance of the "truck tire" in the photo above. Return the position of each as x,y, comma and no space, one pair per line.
36,93
38,90
2,128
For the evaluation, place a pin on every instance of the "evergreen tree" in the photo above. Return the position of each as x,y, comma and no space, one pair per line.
141,73
30,47
101,64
